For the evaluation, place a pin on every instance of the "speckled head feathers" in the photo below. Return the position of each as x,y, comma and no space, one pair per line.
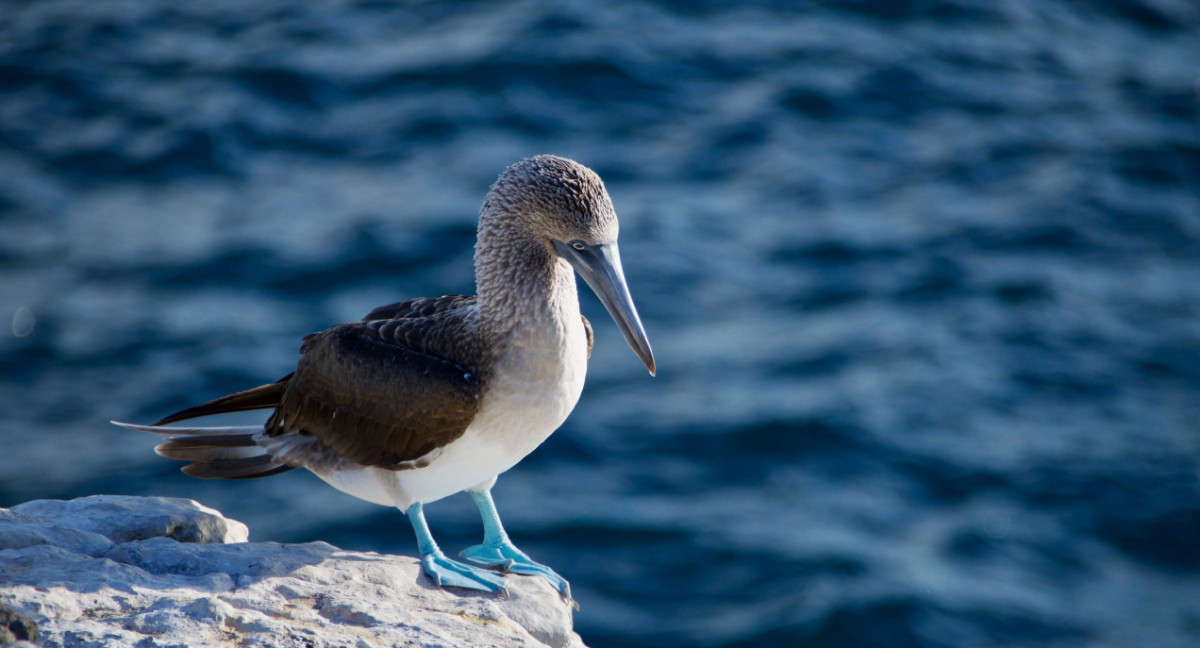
556,198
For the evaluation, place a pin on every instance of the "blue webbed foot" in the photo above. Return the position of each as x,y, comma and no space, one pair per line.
450,573
443,571
507,558
498,551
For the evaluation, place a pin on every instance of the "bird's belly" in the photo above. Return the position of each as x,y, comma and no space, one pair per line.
497,440
471,460
467,462
363,483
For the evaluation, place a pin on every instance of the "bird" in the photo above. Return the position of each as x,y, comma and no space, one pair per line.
429,397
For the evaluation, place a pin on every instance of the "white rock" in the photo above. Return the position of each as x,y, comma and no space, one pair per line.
156,572
122,519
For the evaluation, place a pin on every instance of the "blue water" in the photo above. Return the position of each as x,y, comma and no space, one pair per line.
922,279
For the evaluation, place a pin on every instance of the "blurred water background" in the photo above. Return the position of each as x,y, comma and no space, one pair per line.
922,277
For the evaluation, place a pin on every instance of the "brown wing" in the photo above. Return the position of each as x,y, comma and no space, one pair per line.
385,392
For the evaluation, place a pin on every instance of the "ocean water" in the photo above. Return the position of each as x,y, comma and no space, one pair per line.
922,278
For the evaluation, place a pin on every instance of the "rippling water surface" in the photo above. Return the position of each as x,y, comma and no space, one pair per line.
922,277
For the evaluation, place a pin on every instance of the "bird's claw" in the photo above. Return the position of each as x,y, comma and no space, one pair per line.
450,573
507,558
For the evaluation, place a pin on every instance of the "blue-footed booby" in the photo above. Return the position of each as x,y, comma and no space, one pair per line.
428,397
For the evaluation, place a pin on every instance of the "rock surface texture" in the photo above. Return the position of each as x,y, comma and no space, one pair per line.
140,571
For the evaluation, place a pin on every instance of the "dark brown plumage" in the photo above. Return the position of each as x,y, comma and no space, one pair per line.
378,395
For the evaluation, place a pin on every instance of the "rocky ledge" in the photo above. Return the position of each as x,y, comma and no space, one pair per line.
153,571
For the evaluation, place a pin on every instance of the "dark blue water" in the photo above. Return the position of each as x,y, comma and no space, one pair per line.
922,278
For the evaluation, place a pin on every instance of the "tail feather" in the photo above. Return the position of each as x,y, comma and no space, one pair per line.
216,452
213,441
228,430
261,397
262,465
185,450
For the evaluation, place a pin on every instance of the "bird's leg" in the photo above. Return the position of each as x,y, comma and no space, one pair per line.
443,571
499,552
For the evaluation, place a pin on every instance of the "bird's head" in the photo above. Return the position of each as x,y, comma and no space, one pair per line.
565,205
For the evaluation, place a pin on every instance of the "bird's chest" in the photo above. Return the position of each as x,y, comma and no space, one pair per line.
535,385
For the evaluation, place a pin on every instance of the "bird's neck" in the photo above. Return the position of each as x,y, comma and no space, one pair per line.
526,292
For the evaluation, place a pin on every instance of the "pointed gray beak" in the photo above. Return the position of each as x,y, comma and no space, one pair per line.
600,267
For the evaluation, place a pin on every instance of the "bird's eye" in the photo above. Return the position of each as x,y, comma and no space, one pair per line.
579,245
